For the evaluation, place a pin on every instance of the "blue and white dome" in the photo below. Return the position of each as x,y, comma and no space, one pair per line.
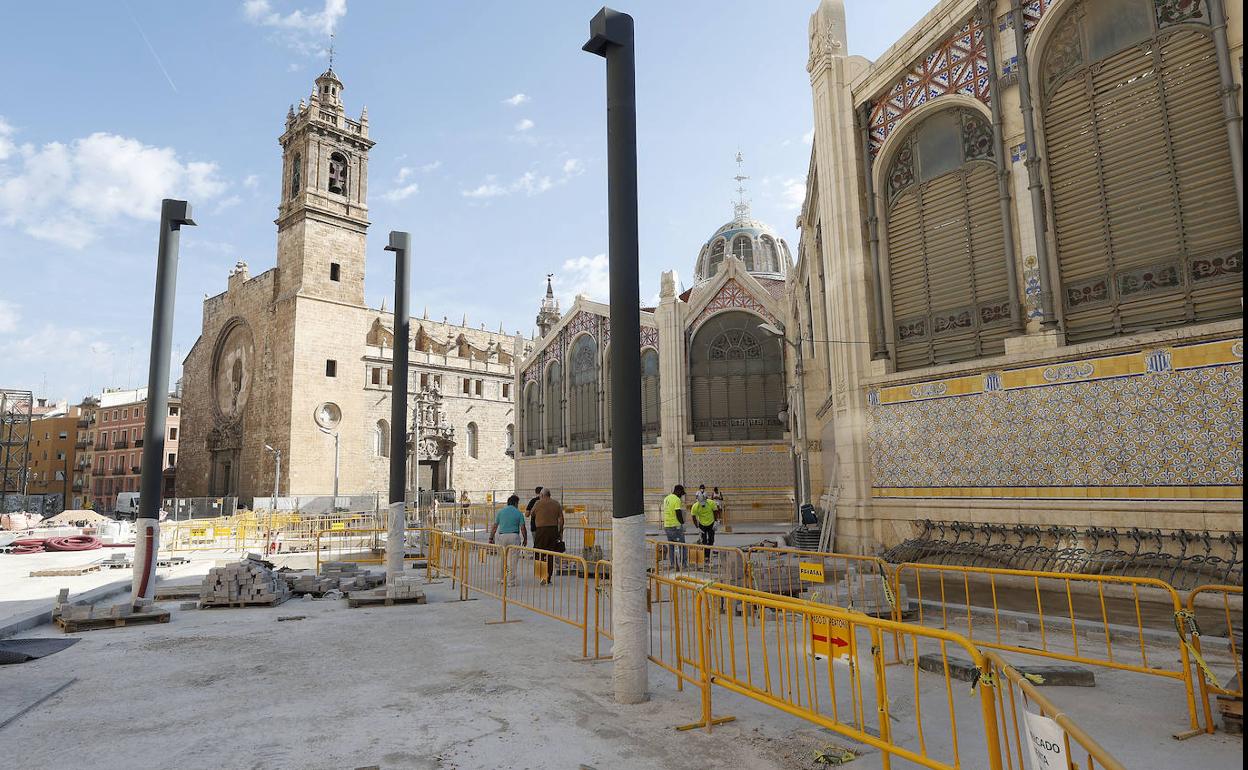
755,243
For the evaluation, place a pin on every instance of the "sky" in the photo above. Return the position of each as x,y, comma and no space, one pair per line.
491,150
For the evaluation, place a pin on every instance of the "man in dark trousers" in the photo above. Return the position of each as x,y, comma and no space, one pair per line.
547,529
528,509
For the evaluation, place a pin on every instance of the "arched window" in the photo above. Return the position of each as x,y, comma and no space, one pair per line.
701,267
473,440
338,173
583,394
511,441
296,174
381,439
1143,196
770,262
950,291
532,419
553,405
736,380
743,248
716,258
649,396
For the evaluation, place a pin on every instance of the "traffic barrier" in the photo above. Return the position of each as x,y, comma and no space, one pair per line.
364,546
1081,629
602,606
554,585
442,559
722,564
1199,620
591,543
481,569
844,580
1072,749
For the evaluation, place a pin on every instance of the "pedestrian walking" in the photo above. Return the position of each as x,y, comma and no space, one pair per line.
528,509
508,529
705,511
547,529
721,514
674,526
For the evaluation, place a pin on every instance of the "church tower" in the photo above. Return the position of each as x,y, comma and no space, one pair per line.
548,313
322,218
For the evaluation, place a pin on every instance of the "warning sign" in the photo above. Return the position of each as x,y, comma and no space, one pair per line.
202,532
811,571
338,525
1047,740
829,637
591,537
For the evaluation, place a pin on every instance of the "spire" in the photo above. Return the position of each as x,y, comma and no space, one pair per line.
740,209
548,312
384,307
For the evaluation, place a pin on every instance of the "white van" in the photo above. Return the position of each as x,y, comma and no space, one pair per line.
128,504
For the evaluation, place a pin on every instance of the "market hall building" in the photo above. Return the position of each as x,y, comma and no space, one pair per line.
1032,213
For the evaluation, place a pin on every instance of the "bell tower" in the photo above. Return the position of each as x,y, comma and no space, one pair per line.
322,218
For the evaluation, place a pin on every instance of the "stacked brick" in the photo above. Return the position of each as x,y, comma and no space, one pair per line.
250,581
404,588
349,576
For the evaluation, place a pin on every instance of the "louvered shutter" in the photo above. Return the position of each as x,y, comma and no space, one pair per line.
908,280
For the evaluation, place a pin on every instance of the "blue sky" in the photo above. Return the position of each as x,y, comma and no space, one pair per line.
490,130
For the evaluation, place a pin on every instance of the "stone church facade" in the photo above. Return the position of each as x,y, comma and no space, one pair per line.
1019,285
294,359
714,385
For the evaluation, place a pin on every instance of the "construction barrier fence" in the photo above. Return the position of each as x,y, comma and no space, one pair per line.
1218,652
719,563
1097,620
366,545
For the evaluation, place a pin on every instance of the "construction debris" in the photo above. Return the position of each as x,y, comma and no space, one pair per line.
249,583
84,617
350,577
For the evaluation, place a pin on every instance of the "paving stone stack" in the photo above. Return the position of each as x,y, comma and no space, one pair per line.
349,576
68,611
250,581
308,583
404,587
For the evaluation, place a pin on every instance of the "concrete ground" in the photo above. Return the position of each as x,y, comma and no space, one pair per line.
432,686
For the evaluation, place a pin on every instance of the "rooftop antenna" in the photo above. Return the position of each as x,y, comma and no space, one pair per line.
740,209
331,51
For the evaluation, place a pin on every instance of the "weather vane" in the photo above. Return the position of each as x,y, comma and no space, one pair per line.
331,51
741,208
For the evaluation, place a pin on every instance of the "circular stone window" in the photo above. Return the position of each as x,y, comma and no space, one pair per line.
328,415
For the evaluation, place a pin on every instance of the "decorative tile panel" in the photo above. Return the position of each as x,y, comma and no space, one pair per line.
732,295
957,65
1157,423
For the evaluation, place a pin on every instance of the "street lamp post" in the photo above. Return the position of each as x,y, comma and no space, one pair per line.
611,37
801,470
400,244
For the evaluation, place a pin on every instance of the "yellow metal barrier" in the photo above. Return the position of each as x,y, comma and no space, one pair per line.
844,580
555,585
1013,694
481,569
362,546
720,563
1220,616
1078,617
826,665
602,605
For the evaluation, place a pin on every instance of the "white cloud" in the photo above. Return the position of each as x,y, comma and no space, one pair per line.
76,353
69,193
573,167
809,136
517,100
525,125
401,193
794,194
434,166
529,183
490,189
9,316
583,275
7,147
305,31
226,203
251,181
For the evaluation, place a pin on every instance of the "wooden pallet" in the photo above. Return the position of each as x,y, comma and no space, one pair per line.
94,624
173,593
381,601
205,605
66,571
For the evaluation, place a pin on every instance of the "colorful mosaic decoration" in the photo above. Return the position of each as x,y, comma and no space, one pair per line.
732,295
1158,423
958,65
598,326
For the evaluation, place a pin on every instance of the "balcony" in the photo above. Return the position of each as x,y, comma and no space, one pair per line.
119,471
138,443
77,487
101,446
135,469
83,424
121,443
82,464
83,444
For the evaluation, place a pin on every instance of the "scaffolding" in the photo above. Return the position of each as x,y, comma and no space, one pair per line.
15,413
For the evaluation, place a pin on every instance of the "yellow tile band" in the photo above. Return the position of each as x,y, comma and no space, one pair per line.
1097,493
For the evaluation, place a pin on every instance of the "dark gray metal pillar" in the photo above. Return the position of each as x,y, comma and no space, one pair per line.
611,36
880,349
1230,106
1034,185
401,245
173,215
1017,312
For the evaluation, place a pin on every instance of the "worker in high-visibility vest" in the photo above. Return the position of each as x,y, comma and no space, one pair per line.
674,526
